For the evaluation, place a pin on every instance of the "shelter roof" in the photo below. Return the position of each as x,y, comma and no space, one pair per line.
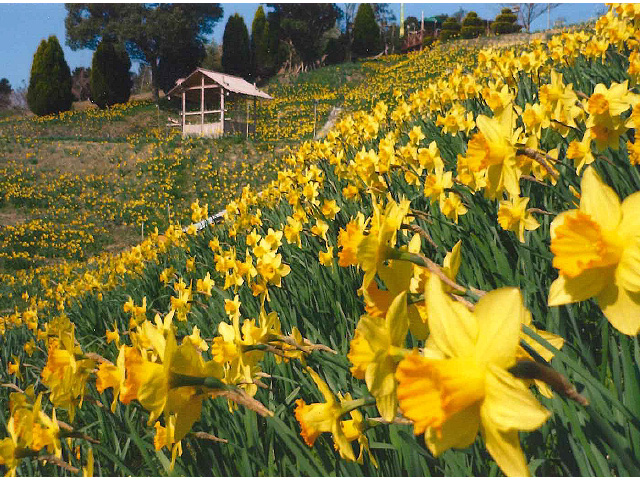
228,82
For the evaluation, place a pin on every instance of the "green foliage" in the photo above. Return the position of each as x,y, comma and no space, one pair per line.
110,79
213,57
150,31
336,50
178,60
366,32
302,26
5,87
450,28
506,22
235,47
261,58
472,26
5,92
50,81
411,24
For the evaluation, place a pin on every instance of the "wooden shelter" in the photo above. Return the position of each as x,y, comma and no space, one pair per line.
211,93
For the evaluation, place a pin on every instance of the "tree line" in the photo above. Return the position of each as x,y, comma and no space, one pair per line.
171,41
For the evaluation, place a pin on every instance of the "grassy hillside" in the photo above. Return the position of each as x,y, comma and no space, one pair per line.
412,273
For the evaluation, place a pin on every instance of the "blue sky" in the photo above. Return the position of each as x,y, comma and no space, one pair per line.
24,25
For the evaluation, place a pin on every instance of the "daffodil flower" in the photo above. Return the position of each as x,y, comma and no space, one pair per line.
597,253
317,418
461,383
375,351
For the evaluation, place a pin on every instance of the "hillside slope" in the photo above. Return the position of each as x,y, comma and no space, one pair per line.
407,260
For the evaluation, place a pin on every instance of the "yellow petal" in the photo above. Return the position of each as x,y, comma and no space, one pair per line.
453,328
499,314
154,385
586,285
459,431
342,443
397,321
599,201
622,308
489,128
630,224
187,407
451,262
381,382
628,272
505,449
323,387
509,405
417,325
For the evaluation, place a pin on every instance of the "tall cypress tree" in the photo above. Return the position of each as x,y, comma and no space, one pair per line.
260,52
50,81
235,47
366,33
110,79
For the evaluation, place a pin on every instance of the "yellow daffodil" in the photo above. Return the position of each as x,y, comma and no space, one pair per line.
317,418
174,384
204,285
349,239
580,152
513,216
597,253
375,351
326,258
461,384
373,249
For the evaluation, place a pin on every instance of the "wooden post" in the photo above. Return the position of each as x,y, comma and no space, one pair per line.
202,107
255,117
247,104
184,116
222,109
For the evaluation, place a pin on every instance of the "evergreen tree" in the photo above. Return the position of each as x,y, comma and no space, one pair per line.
450,28
366,33
336,50
235,47
5,93
50,81
149,31
110,79
178,60
261,61
472,26
506,22
300,29
213,58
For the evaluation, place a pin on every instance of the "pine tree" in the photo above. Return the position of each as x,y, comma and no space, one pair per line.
235,47
506,22
366,33
261,58
472,26
50,81
110,79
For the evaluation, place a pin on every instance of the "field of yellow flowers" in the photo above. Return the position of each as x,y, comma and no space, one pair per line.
447,284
